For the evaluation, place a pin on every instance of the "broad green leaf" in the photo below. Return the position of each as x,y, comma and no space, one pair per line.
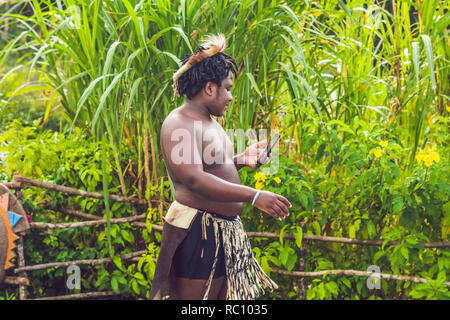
298,234
115,285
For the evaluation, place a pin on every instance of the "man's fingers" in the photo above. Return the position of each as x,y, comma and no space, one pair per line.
285,201
274,205
262,142
261,145
280,210
283,208
276,213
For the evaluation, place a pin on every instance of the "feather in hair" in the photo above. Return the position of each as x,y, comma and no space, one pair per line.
209,47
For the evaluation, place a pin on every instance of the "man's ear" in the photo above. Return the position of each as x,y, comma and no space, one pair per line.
210,89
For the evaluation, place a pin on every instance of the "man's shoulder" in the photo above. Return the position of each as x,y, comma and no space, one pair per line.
173,116
177,119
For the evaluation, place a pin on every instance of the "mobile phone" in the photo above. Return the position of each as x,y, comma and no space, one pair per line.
264,158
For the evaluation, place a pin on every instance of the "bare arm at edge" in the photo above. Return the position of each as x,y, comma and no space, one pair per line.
178,134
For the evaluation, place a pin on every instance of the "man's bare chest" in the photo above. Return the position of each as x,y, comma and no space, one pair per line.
217,149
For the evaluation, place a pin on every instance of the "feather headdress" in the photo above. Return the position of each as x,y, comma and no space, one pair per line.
209,47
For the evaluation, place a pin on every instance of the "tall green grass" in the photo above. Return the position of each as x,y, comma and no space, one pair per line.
110,63
348,60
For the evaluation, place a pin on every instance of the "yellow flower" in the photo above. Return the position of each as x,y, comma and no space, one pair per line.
260,176
448,108
378,152
383,143
428,162
436,157
259,185
428,156
277,180
420,157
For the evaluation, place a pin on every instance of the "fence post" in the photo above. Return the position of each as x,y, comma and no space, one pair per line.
22,292
301,260
301,280
21,256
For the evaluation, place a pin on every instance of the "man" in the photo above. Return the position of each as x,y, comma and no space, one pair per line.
205,252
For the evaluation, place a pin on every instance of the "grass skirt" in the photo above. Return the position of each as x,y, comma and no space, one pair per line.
246,279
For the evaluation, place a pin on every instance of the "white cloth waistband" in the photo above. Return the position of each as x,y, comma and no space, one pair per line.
180,215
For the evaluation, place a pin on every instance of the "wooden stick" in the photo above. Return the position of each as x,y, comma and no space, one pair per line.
76,213
43,225
22,281
96,218
19,179
91,262
12,185
80,296
343,240
301,268
351,273
155,227
21,256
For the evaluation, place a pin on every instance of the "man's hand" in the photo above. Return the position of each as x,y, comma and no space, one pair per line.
273,204
253,153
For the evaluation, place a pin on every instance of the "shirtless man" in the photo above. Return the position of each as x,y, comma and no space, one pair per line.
190,138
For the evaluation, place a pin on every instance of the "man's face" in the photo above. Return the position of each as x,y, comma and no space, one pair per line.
222,96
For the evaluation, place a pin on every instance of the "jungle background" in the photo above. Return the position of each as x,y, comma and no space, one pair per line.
358,90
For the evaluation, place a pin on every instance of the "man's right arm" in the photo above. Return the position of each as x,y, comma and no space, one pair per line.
183,156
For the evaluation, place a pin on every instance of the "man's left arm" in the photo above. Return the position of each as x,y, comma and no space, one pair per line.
238,161
250,156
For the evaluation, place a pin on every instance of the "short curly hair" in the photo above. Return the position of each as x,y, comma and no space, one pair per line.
214,68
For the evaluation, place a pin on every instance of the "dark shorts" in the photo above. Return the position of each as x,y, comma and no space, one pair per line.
189,262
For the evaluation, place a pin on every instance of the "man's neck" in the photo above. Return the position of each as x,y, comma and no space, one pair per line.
197,108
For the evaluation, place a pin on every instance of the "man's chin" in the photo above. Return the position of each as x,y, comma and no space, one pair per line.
219,114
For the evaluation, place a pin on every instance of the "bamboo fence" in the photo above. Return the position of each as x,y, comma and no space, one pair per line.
22,280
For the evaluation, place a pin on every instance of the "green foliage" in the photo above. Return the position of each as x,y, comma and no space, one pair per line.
7,295
109,64
435,289
77,161
359,91
354,192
